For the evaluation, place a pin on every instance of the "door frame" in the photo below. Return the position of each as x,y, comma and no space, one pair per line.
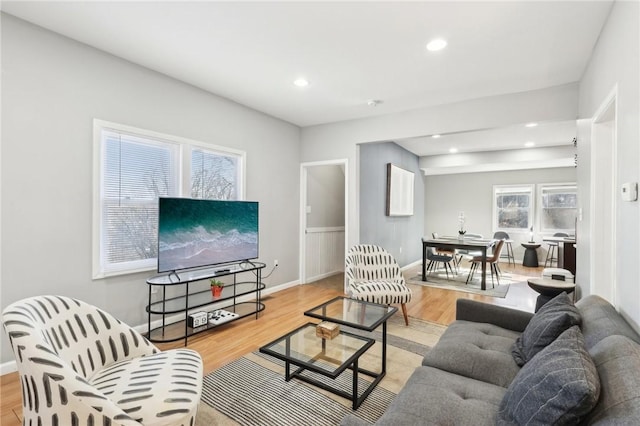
344,162
600,117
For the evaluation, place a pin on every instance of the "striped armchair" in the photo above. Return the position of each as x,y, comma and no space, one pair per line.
374,276
78,365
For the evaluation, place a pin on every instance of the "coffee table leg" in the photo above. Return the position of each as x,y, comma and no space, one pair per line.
287,376
355,385
384,347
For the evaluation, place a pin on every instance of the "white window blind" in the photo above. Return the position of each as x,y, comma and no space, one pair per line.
135,172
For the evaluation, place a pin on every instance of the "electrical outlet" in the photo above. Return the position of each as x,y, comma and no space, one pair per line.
275,263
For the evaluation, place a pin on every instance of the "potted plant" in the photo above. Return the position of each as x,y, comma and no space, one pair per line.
216,287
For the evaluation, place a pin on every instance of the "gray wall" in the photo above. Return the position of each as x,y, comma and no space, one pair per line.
447,195
400,235
325,196
615,61
53,88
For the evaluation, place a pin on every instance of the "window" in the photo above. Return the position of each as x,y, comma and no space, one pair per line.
134,167
214,176
512,207
558,207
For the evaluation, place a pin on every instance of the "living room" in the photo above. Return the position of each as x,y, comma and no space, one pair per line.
54,87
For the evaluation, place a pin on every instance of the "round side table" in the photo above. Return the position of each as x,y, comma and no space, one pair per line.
530,255
549,289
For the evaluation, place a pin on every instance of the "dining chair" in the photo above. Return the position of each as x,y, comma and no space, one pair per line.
462,253
445,252
501,235
491,261
552,247
436,258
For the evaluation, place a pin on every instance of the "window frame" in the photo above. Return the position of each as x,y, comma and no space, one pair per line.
540,189
502,189
184,148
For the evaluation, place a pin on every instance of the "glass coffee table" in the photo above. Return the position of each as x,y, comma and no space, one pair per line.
331,357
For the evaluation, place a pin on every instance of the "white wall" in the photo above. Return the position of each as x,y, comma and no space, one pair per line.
325,196
340,140
447,195
615,61
53,88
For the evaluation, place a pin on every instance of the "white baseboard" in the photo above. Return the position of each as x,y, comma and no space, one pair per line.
10,367
411,265
322,276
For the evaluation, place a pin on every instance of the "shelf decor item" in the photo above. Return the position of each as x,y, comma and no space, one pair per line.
216,287
461,230
327,330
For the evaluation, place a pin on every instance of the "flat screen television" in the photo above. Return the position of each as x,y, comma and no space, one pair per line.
196,233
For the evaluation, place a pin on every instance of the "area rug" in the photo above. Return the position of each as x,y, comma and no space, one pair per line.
457,282
252,389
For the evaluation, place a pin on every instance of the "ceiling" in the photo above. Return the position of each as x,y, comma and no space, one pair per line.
542,135
351,52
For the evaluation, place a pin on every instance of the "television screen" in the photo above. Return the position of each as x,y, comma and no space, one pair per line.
195,233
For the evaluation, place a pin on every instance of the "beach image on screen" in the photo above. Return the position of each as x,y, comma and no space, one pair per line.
194,233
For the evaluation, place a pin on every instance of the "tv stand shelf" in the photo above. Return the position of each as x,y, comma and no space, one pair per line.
186,299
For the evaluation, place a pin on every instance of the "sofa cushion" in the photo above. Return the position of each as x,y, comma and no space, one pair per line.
548,323
617,359
600,319
435,397
475,350
558,386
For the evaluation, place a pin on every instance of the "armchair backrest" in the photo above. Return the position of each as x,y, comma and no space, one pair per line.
81,335
370,262
59,343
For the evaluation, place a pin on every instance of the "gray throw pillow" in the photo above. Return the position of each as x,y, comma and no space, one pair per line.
557,387
547,324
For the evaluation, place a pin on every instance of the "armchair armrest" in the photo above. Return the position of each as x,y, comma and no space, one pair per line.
511,319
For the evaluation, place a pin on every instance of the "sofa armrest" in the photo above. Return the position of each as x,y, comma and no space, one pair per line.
511,319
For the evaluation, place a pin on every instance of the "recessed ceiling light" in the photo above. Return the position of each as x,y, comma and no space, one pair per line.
529,144
301,82
436,44
436,136
374,102
453,150
531,125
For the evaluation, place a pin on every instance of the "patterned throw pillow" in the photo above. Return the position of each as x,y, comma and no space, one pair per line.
558,386
547,324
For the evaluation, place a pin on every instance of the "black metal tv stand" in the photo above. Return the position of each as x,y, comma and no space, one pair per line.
181,296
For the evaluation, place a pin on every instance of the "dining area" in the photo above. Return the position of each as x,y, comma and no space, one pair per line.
458,247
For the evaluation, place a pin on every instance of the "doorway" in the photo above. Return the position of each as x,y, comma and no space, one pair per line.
603,200
323,219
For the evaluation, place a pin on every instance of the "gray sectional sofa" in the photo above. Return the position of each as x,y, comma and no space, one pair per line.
471,376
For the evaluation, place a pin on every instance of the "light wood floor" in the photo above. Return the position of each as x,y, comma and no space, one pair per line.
284,311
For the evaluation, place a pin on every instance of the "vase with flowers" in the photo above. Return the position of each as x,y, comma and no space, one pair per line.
216,287
461,230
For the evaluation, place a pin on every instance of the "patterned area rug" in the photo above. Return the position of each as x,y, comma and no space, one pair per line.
457,282
252,389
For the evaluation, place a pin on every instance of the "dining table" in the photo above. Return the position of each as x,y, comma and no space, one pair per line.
455,243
